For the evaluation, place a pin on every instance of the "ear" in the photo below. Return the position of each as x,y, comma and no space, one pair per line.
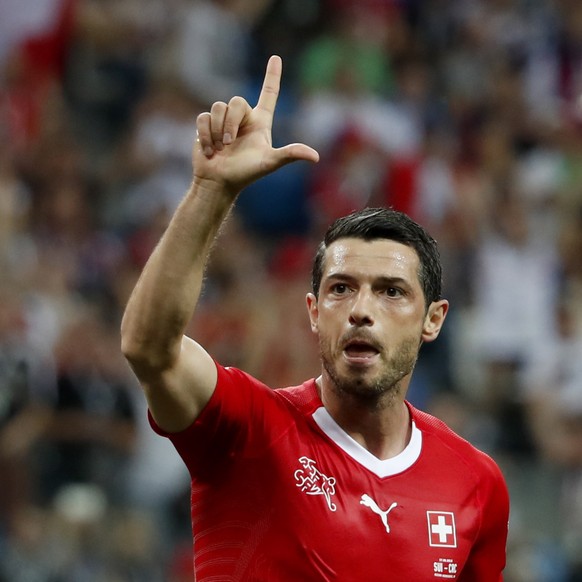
313,311
434,319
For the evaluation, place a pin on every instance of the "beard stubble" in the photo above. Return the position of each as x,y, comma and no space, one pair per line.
384,386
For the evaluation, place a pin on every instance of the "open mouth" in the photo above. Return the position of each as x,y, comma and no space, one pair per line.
360,351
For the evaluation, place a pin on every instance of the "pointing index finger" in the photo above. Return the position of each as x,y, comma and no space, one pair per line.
270,90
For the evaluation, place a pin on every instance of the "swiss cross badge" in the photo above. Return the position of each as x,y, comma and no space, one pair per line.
442,532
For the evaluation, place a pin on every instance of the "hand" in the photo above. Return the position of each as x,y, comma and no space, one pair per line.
234,144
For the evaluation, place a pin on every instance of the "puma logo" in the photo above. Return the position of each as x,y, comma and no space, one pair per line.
369,502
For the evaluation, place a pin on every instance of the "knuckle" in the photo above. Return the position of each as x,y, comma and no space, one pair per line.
237,102
202,118
218,107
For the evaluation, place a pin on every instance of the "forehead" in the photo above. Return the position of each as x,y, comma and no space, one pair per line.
378,257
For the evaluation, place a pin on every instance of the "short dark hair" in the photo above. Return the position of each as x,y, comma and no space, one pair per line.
385,223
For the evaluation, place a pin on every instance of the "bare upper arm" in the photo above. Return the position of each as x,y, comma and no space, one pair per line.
177,395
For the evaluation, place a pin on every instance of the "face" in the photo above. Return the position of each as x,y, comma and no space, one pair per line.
371,317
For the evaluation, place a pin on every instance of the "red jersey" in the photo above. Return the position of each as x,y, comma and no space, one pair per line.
281,493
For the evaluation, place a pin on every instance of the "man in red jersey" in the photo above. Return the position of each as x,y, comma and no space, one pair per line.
339,478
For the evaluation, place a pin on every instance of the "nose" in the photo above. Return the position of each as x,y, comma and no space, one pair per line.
361,309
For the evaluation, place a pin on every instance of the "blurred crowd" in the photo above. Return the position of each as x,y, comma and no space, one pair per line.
466,114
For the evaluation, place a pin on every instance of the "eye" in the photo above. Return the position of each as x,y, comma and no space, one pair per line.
339,288
394,292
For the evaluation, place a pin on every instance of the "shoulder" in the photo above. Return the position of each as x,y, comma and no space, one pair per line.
476,461
463,465
230,377
303,399
234,383
242,390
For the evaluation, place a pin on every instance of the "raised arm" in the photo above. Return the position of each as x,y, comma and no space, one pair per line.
233,148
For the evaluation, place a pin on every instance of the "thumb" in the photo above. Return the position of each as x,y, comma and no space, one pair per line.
292,153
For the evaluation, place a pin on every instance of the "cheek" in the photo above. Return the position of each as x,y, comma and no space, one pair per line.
409,315
326,327
335,312
326,344
403,324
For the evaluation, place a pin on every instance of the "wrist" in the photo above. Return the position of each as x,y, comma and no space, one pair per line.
214,188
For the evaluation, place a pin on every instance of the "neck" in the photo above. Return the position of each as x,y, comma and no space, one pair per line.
382,426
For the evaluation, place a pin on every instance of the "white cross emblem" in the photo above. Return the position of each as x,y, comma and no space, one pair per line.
441,529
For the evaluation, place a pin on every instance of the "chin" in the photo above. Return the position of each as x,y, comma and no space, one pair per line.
363,385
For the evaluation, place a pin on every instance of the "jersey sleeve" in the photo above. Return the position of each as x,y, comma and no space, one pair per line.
488,554
236,421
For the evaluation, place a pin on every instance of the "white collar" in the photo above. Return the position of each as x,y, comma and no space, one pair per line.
381,468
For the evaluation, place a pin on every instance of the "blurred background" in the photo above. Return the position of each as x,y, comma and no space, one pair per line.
466,114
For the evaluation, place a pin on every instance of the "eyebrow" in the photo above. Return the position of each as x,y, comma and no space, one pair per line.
381,280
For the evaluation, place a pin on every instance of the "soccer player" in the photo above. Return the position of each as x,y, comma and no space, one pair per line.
339,478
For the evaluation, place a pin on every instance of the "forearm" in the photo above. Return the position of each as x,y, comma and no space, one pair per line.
233,149
168,289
